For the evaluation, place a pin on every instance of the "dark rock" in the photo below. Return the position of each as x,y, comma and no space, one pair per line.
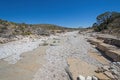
112,41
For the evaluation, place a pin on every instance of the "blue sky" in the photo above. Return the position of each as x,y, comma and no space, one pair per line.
69,13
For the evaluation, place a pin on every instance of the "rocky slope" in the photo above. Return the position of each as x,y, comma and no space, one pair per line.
109,47
10,31
108,22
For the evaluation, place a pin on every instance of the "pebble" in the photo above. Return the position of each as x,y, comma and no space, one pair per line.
76,47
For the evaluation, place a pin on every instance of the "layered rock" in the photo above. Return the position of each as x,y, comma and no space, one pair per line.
109,50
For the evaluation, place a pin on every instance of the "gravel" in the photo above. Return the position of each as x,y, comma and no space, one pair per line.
11,51
75,46
70,44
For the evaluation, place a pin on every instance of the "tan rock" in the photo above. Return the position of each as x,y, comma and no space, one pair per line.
109,74
78,67
109,50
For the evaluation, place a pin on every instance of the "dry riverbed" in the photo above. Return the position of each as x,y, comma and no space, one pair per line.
47,59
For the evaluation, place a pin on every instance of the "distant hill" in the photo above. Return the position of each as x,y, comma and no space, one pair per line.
9,29
108,22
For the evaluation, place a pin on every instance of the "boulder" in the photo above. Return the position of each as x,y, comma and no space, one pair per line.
81,77
89,78
94,78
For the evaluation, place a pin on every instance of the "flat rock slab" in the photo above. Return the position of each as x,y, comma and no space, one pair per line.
99,57
25,68
78,67
109,50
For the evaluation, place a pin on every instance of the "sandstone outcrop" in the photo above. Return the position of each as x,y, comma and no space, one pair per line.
107,49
